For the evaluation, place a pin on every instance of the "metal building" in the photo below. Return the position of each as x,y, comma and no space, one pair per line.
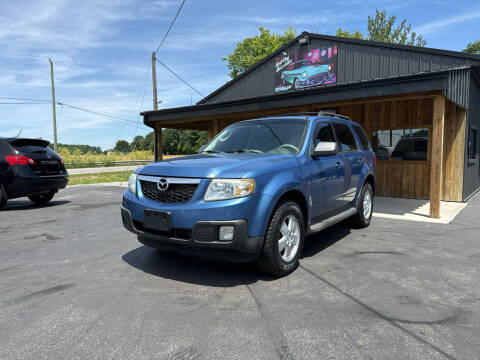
419,106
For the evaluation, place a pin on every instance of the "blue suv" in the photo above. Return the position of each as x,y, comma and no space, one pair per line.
256,190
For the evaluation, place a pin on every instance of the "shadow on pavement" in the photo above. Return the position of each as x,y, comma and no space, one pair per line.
193,270
318,242
13,205
211,273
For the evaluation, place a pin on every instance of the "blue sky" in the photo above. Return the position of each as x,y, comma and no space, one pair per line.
102,50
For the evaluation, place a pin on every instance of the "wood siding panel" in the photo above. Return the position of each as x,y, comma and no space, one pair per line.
436,165
403,179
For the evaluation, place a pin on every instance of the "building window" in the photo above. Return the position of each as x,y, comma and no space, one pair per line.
472,144
404,144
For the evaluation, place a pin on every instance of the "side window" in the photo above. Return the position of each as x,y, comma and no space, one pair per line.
472,144
363,137
345,138
325,134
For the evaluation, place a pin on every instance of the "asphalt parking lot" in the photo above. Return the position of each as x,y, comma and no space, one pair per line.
74,285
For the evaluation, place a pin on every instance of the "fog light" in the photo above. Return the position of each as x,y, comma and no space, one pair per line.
226,233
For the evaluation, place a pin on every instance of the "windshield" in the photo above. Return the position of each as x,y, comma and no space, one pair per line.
280,136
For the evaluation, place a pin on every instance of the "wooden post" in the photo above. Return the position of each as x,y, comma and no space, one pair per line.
211,130
159,143
436,165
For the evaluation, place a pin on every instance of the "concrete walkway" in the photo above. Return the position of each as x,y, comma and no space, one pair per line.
102,169
415,210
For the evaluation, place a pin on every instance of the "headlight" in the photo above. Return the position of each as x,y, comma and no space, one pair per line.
304,74
223,189
132,184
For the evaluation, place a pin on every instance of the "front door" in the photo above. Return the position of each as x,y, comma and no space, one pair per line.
326,175
352,159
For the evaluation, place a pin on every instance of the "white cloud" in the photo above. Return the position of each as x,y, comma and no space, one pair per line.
446,22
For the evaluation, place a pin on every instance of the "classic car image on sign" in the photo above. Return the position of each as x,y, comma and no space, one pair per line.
313,68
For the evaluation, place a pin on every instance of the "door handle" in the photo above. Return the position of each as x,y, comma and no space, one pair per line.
338,165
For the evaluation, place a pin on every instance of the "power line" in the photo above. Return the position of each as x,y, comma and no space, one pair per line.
22,103
171,25
77,94
22,99
146,76
112,117
179,77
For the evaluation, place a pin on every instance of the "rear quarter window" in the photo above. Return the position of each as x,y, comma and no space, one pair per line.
363,137
345,137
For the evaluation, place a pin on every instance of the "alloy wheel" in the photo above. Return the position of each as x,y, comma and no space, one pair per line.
367,205
289,238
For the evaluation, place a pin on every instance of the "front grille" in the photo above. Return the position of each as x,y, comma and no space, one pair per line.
178,233
175,193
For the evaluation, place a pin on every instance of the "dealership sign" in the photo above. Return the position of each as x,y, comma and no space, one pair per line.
303,70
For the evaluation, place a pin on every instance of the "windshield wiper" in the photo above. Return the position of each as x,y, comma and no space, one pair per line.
245,151
211,151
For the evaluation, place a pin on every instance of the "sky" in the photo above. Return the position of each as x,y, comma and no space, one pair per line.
102,53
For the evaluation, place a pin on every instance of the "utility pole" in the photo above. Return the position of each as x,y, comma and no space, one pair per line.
154,81
53,107
157,133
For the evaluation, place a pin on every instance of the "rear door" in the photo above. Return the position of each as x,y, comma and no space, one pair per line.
352,159
326,175
47,162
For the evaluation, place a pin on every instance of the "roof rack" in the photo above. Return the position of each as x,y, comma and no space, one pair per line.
319,113
296,114
332,114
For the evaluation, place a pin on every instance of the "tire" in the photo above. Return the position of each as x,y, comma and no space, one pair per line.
282,262
41,198
363,216
3,197
295,81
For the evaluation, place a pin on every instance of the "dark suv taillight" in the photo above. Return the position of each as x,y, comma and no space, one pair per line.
19,160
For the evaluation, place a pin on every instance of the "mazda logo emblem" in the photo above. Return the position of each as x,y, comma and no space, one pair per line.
162,184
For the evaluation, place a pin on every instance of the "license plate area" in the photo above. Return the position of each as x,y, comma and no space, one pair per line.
157,220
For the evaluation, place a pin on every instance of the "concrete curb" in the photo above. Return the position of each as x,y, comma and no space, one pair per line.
98,170
118,183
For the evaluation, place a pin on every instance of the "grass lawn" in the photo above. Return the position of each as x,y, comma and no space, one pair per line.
99,177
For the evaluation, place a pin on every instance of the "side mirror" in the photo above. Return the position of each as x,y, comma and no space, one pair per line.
325,149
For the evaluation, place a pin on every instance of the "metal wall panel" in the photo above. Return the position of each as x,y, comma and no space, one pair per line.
471,182
356,62
457,86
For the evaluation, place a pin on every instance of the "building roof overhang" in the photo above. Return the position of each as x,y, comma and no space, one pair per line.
423,82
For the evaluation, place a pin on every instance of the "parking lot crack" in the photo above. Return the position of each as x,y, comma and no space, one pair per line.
280,344
39,294
392,321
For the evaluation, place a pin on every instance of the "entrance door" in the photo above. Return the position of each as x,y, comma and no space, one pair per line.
326,175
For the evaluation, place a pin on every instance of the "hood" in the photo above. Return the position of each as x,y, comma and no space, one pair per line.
224,165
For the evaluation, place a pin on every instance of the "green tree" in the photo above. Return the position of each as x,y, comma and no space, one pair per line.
122,146
182,142
148,142
473,48
253,49
344,33
137,143
383,28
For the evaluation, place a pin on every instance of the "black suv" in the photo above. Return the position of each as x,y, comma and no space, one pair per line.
28,167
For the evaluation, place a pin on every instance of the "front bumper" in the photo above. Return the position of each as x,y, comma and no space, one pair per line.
201,241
